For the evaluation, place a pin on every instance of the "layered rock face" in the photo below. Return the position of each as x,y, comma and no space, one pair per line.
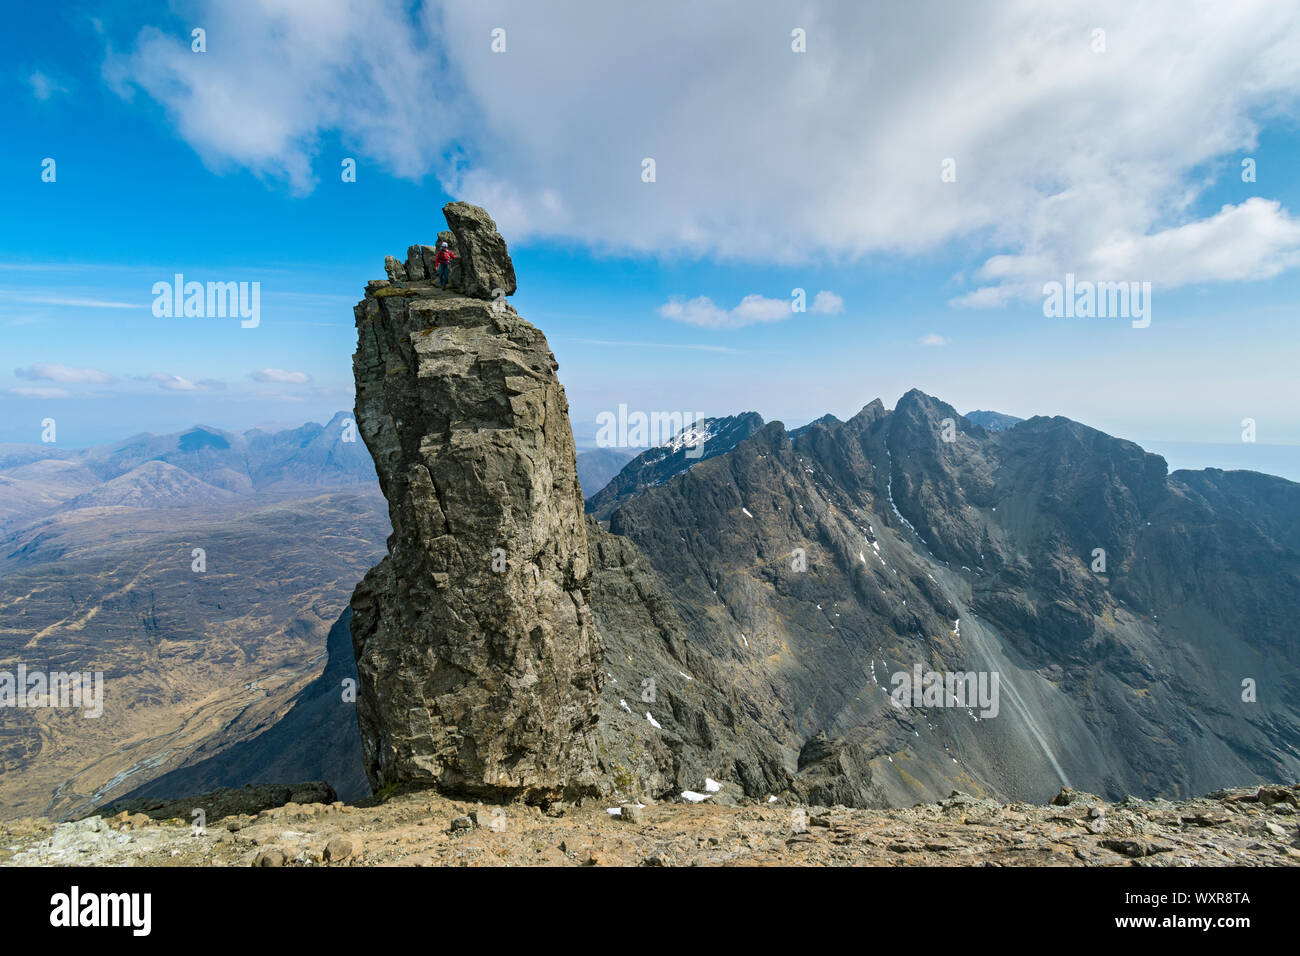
478,659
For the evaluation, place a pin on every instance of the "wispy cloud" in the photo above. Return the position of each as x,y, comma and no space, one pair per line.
176,383
76,303
827,303
934,339
44,86
752,309
280,376
53,372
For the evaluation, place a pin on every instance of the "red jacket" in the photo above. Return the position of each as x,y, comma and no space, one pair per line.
444,255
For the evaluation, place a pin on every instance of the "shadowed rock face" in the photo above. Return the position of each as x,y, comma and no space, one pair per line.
478,660
982,552
316,739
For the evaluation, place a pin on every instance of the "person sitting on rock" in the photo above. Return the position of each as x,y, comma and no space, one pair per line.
443,262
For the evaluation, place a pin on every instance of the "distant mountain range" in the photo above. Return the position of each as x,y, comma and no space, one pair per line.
98,555
597,466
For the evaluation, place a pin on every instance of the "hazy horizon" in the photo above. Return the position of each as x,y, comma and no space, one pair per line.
1273,459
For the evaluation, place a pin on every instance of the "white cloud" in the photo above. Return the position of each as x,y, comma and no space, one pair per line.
1257,239
53,372
281,376
751,310
702,311
297,71
827,303
1063,156
934,339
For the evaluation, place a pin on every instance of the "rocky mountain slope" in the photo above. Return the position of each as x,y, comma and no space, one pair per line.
982,553
316,739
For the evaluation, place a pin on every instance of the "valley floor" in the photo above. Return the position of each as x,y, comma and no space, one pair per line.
1241,827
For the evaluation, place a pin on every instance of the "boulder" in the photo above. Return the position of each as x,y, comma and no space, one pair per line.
484,261
834,771
415,263
338,848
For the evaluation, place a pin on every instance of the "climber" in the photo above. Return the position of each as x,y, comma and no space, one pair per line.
443,262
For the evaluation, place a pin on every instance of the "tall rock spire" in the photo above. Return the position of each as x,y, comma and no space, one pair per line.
478,659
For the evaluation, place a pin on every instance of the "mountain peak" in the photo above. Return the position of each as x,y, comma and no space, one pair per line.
869,413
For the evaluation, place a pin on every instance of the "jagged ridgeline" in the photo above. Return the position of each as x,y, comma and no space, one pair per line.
737,624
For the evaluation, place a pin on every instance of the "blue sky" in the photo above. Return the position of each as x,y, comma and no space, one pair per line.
776,170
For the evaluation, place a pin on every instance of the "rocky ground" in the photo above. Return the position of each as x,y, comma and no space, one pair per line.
1240,827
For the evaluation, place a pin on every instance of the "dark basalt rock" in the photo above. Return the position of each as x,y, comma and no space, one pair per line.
478,659
835,772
